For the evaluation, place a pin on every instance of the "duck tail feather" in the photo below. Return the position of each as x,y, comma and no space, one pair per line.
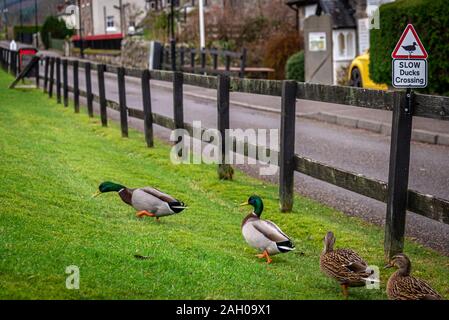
177,206
285,246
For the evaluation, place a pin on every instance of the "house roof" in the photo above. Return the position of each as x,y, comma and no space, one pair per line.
340,10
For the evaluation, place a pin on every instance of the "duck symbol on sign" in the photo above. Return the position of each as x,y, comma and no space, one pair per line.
410,48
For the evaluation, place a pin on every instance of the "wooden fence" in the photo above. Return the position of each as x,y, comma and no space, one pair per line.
9,60
404,105
185,60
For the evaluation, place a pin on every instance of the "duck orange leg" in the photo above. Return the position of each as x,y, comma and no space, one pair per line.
265,255
144,213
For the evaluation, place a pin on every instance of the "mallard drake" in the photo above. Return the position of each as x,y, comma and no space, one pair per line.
264,235
403,286
344,265
148,201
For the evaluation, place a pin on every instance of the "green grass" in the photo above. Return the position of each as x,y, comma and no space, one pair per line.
52,160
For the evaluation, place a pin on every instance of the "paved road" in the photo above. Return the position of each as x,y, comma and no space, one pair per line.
351,149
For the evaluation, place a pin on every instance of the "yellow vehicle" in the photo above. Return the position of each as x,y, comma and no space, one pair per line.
358,74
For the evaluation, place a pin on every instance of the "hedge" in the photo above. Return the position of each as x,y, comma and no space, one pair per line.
25,30
431,21
25,33
294,69
57,28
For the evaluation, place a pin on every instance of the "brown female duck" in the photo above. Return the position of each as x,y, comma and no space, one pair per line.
403,286
344,265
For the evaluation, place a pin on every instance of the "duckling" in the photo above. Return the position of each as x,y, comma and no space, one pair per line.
344,265
148,201
264,235
403,286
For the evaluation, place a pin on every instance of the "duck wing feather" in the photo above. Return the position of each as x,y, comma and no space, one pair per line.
411,288
345,265
159,194
270,230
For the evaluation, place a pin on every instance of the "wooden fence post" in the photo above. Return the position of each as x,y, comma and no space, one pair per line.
3,51
9,57
173,54
52,77
11,62
17,64
65,84
178,109
225,171
401,132
122,101
287,147
90,97
8,60
192,60
37,75
203,60
101,68
242,64
148,113
228,64
14,63
58,80
181,58
215,59
76,90
47,61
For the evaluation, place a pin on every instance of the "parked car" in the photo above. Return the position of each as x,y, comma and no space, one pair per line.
358,74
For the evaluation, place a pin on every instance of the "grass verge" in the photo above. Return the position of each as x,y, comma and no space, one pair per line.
52,160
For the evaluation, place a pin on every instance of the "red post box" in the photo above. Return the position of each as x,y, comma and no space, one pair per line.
25,56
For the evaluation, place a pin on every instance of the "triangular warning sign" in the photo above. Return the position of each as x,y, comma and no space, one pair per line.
409,46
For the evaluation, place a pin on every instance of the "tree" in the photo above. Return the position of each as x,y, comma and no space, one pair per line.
56,27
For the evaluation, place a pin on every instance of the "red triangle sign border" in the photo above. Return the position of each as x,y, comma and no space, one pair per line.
394,54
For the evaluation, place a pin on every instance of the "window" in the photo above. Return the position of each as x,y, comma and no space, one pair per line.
110,25
341,45
344,44
150,4
350,50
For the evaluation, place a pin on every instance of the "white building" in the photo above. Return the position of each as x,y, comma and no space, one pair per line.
106,17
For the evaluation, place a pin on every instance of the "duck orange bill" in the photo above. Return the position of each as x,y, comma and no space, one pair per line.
96,194
389,265
244,204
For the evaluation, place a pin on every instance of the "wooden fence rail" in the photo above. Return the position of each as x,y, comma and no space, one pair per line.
184,59
404,106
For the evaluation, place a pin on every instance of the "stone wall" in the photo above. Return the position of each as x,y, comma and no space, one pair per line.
105,58
135,53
